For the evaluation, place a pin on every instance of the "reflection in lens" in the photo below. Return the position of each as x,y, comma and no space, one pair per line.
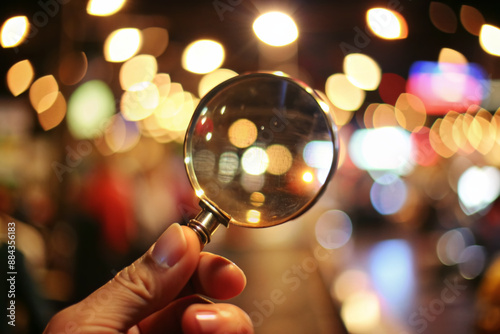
242,133
204,163
258,126
255,161
308,177
252,183
280,159
257,198
253,216
318,154
228,166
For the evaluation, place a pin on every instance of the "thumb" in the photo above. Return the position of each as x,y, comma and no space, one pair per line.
139,290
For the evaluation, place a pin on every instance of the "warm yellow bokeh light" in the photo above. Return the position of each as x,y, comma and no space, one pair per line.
172,104
122,44
104,7
276,29
387,24
257,199
203,56
447,55
163,83
489,38
384,115
361,312
446,130
43,93
54,115
410,112
14,31
253,216
154,41
214,78
362,71
20,76
280,159
242,133
342,93
436,141
307,177
131,107
137,71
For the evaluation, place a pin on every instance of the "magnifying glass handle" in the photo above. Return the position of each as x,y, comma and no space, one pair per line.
207,221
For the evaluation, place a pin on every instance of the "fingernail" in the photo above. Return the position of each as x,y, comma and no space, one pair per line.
170,247
208,321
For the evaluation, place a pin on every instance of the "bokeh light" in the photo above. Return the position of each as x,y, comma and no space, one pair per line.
43,93
253,216
203,56
154,41
137,71
14,31
443,17
362,71
122,44
478,188
447,55
280,159
489,38
104,7
19,77
276,29
387,24
229,163
121,135
452,243
242,133
212,79
387,148
391,86
391,264
384,115
410,112
333,229
361,312
472,261
350,282
471,19
389,198
89,108
318,154
342,93
53,116
307,177
255,161
73,67
447,86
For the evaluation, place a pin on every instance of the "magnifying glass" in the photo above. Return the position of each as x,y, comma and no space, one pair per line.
259,151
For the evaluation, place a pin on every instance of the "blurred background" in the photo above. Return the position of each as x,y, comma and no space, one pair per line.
95,100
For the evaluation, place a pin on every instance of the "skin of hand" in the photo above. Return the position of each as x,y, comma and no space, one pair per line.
160,293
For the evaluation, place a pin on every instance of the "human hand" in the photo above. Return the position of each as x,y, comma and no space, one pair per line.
156,294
